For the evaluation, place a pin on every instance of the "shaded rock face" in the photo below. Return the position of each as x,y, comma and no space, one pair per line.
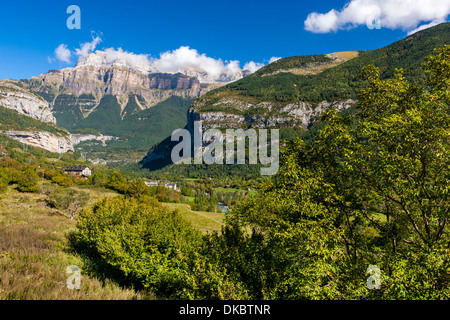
25,102
42,139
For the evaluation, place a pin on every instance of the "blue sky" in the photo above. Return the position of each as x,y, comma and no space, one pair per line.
30,31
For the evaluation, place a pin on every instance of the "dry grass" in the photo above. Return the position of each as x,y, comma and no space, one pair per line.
34,254
338,58
344,55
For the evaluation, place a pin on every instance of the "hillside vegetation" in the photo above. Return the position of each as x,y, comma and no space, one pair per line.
137,132
12,120
339,82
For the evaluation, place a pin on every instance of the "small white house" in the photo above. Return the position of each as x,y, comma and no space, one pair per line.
172,186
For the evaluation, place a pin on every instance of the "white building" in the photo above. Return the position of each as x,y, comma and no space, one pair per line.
78,171
151,183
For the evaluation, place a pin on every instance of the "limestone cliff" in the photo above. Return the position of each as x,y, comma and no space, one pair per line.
84,86
24,101
42,139
243,114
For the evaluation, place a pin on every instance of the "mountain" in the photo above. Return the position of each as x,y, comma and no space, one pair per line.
26,117
75,93
15,97
292,92
99,97
206,70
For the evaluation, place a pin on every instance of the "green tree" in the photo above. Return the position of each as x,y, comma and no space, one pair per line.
371,189
28,181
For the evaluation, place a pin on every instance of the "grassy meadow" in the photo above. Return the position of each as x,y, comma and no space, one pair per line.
35,252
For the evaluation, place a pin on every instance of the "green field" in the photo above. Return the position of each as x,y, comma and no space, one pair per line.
204,221
234,190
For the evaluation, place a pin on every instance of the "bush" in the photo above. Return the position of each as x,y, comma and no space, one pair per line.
50,174
63,180
28,181
97,179
146,245
3,186
68,199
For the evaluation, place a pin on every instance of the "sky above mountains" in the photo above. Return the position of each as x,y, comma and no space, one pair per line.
215,36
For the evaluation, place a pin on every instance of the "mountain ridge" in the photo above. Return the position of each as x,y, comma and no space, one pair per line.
287,100
278,94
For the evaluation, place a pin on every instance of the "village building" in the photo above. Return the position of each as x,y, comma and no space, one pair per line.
78,171
172,186
151,183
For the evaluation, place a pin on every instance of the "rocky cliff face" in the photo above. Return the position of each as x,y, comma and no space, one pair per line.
42,139
78,138
24,101
108,80
260,115
90,84
29,104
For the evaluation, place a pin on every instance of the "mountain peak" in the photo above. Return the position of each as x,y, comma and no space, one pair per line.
101,59
184,60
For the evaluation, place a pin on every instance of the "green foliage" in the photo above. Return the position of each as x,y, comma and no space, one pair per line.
370,189
142,130
67,199
66,108
4,180
63,180
97,179
28,181
12,120
340,82
147,245
59,178
117,182
105,116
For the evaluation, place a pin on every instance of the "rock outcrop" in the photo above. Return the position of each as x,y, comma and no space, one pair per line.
269,114
42,139
24,101
78,138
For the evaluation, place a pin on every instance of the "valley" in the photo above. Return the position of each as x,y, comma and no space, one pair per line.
363,178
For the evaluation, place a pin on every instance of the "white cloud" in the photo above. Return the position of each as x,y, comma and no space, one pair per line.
391,14
62,53
111,56
426,26
182,60
190,62
253,66
87,47
273,59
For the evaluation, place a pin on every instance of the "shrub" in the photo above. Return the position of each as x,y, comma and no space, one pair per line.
63,180
68,199
145,243
28,181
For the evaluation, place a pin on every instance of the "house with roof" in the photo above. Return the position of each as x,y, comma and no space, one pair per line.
78,171
172,186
